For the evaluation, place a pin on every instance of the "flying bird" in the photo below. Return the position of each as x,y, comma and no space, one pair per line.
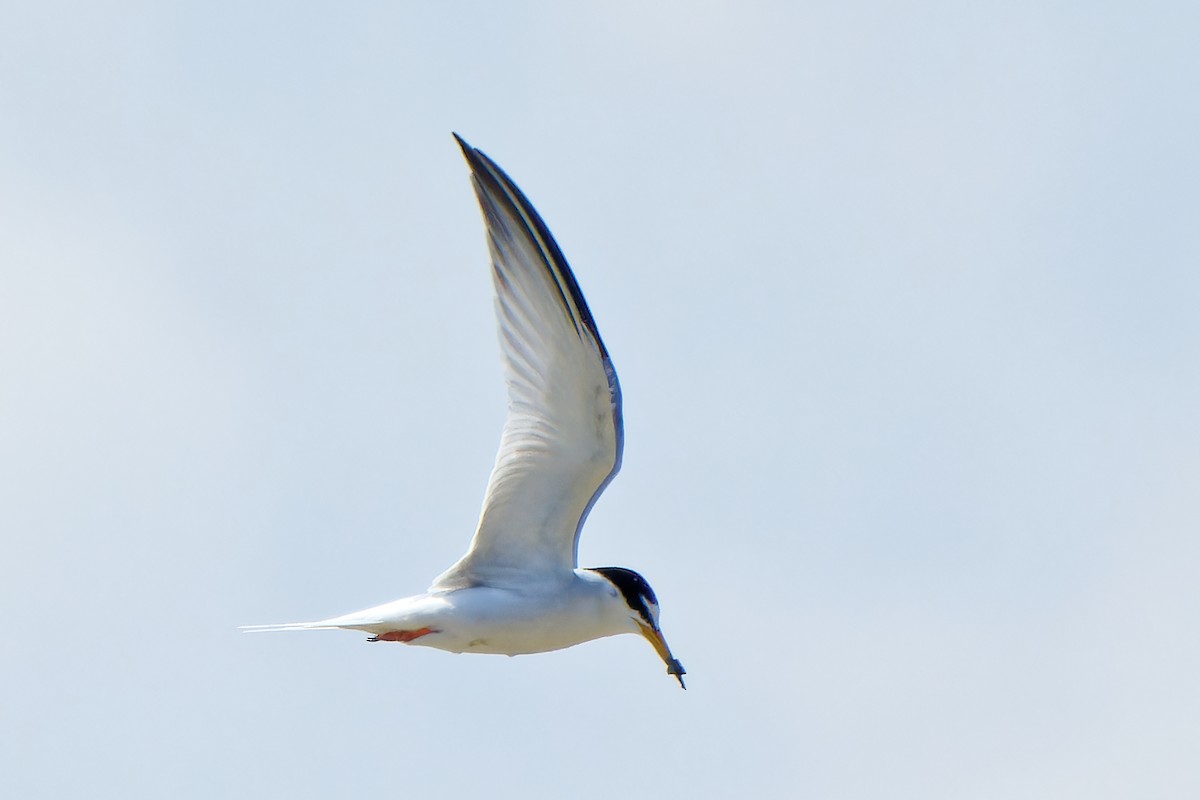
519,588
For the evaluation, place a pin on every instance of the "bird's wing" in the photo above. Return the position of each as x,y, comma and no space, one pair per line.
563,436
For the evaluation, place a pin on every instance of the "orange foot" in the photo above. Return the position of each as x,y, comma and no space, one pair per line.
403,636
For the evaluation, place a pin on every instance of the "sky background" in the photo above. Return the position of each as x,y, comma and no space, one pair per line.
904,298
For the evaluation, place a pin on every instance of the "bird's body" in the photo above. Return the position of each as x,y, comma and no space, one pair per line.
487,619
518,589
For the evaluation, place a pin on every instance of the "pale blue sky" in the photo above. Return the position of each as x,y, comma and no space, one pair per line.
904,300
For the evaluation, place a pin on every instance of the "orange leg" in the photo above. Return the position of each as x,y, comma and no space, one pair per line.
403,636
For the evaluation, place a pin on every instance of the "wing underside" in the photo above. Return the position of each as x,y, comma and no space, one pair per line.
562,438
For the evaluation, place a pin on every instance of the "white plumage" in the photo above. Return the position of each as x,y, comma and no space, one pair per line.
518,589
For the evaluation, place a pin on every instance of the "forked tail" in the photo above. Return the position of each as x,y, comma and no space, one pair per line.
288,626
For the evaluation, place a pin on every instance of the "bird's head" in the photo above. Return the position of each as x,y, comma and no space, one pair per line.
642,607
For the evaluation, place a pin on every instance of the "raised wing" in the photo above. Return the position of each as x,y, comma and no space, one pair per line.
563,437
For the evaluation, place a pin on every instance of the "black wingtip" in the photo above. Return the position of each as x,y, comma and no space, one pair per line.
484,168
493,182
476,160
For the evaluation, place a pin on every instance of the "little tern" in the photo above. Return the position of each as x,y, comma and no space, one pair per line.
519,588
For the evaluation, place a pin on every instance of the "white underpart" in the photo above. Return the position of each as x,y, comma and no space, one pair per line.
484,619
